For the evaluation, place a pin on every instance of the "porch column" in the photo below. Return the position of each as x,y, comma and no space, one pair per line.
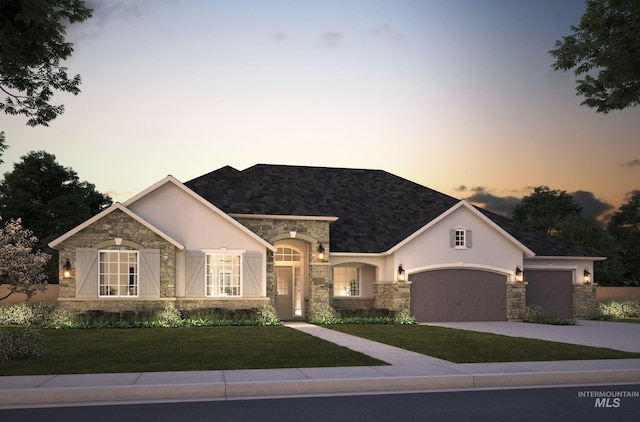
583,300
392,295
516,300
319,277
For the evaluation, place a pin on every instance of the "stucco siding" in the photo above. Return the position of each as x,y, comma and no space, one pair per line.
490,249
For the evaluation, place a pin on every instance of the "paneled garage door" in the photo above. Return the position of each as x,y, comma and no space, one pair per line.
551,290
458,295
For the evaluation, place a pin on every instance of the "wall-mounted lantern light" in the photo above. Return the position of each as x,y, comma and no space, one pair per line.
586,276
519,275
320,251
66,270
401,273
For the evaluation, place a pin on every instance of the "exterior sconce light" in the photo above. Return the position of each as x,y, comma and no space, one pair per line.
66,270
320,251
519,275
401,273
586,276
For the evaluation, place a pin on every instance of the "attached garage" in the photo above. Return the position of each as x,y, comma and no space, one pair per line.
551,290
458,295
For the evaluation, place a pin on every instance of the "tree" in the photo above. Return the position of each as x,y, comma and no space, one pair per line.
590,234
624,226
20,267
546,209
49,198
32,45
3,146
606,41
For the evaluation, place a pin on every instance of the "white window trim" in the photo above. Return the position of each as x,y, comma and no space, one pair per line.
224,251
464,238
359,267
136,286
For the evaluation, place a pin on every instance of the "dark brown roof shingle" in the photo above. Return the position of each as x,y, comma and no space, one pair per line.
375,209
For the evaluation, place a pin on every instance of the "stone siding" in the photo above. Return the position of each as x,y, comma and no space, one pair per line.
392,295
311,232
583,300
516,300
101,235
212,303
114,305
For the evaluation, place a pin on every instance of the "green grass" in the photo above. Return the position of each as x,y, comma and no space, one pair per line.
463,346
76,351
631,320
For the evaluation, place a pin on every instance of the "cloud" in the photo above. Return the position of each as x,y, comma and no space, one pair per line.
279,37
632,163
120,196
503,205
460,188
629,195
591,206
331,39
385,32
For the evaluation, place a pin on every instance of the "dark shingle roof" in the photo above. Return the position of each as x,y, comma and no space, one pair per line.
376,209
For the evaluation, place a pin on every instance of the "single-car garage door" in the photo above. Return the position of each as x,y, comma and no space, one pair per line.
458,295
551,290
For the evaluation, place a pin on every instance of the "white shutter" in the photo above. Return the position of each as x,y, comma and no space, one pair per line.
194,268
149,277
86,272
252,275
468,244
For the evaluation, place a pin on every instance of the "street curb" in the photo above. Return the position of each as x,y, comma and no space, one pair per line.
240,390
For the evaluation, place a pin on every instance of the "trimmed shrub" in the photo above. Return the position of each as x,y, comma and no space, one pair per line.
620,309
167,317
532,313
325,314
535,314
28,313
404,317
20,343
267,314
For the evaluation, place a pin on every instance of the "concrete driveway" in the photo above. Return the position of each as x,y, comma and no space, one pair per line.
613,335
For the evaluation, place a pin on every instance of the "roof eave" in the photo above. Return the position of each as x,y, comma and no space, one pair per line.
462,203
112,208
200,199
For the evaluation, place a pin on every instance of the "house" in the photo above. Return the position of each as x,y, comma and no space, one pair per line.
301,237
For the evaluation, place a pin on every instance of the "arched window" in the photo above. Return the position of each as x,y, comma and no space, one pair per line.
286,254
460,238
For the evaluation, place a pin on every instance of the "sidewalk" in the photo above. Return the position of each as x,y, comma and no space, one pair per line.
408,371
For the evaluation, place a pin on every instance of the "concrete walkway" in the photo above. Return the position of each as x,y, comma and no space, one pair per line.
612,335
408,371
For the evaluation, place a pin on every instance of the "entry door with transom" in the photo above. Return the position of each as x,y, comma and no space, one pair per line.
289,296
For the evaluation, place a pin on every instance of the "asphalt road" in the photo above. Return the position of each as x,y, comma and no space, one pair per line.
598,403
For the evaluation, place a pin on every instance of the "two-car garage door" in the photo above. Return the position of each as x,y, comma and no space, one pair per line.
459,295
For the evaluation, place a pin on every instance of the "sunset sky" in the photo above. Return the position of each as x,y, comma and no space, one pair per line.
456,95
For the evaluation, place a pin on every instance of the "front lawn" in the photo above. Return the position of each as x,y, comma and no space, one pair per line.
83,351
463,346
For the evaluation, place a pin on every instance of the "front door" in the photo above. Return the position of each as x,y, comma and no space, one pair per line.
289,292
284,300
289,266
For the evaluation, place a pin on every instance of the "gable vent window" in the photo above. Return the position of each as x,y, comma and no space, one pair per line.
460,238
